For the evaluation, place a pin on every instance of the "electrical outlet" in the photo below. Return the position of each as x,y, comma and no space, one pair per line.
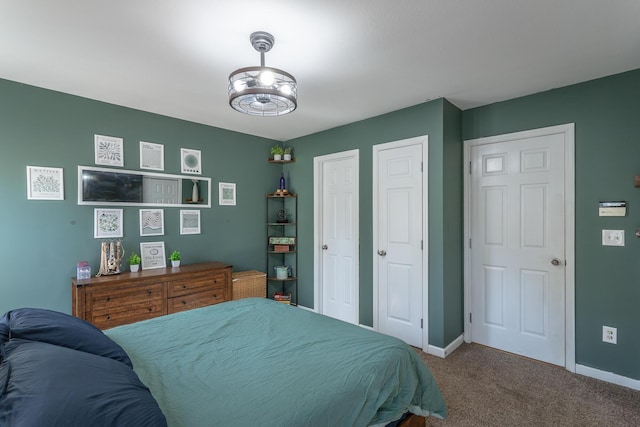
610,335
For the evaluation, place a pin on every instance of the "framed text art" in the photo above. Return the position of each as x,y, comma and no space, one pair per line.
152,255
151,156
107,223
151,222
189,222
45,183
109,150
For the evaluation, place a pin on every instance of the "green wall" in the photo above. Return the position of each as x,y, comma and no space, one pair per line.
441,122
41,241
607,153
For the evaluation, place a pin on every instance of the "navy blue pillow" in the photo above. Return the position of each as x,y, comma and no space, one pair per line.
37,324
43,384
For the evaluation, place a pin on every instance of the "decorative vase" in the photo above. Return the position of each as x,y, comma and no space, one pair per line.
287,157
134,268
175,263
282,272
195,197
277,157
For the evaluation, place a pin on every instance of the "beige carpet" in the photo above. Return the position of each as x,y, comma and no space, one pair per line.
487,387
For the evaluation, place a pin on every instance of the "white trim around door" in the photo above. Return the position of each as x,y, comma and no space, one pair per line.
568,130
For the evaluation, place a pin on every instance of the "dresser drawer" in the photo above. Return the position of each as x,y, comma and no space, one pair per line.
124,297
198,299
116,316
196,284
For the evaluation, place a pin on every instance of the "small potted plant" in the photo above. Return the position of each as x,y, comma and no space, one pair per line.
276,152
175,259
134,262
287,153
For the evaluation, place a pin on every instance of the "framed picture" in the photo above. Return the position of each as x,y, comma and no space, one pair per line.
152,255
45,183
107,223
151,156
189,222
151,222
226,194
109,150
191,161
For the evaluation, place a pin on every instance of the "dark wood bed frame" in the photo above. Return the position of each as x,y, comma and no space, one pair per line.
413,421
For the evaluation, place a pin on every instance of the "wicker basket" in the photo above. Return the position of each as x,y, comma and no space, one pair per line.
249,284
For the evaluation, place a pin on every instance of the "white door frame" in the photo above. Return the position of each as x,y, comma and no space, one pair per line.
318,163
569,179
424,141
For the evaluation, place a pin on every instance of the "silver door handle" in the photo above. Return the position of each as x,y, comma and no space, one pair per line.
325,247
382,252
555,262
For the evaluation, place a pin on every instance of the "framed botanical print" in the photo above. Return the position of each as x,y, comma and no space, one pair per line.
109,150
45,183
107,223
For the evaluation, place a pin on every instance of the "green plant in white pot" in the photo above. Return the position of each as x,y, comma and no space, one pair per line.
276,152
288,151
175,259
134,262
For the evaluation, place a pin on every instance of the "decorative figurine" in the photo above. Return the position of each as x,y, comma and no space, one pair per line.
110,258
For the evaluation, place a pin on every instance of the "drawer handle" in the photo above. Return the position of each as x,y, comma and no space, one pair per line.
215,295
150,309
215,280
108,299
108,317
148,292
184,302
184,286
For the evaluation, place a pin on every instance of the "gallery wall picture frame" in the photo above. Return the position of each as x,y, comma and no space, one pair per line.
191,161
189,221
109,150
45,183
107,223
151,156
226,194
151,222
152,255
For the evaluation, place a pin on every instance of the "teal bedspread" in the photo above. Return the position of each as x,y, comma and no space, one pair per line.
257,362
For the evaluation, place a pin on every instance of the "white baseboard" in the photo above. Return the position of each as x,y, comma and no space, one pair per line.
609,377
306,308
444,352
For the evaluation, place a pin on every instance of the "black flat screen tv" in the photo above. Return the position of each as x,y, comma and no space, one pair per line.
99,186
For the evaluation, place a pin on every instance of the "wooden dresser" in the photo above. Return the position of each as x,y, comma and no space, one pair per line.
109,301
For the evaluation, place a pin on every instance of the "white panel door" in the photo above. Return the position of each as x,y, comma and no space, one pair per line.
399,237
339,277
517,224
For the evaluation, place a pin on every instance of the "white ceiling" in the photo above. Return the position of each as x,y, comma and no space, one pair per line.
353,59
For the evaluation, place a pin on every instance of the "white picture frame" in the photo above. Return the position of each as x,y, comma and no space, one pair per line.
151,222
226,194
152,255
191,161
151,156
45,183
190,221
107,223
109,150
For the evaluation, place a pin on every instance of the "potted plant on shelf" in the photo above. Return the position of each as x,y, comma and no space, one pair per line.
134,262
287,153
175,259
276,152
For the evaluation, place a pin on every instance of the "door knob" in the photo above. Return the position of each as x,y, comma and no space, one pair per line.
325,247
382,252
555,262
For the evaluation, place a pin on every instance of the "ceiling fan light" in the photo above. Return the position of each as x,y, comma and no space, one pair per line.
266,78
262,91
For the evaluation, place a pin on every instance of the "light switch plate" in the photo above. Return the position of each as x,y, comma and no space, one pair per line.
613,237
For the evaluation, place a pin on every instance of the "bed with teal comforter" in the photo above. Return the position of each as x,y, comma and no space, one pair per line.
257,362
